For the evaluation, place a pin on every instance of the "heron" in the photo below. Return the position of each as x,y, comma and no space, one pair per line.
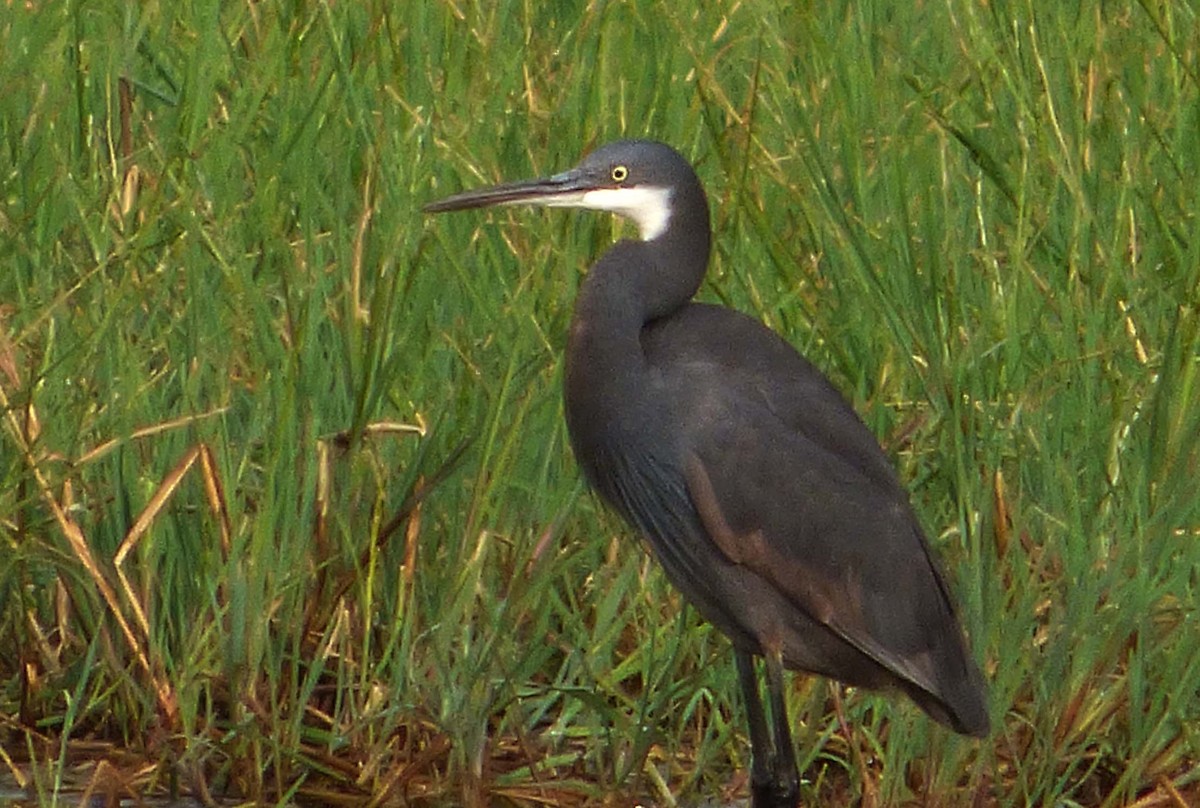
767,501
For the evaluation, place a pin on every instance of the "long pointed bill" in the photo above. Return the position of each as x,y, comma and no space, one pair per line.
647,205
562,190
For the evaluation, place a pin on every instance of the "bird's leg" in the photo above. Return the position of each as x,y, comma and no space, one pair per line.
774,782
762,756
786,776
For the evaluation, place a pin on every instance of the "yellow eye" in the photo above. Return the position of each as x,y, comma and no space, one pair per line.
619,173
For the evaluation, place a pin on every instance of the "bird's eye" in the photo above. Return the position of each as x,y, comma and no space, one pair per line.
619,173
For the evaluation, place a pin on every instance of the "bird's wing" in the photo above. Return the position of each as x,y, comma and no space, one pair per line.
792,486
850,559
831,558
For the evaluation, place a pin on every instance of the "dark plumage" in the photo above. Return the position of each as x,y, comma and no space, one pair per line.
766,499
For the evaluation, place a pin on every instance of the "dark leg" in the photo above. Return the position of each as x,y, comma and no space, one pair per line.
787,778
761,753
774,781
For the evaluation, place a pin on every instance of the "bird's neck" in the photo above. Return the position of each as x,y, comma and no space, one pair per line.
634,283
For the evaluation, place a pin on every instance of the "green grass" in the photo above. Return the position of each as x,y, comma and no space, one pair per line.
980,219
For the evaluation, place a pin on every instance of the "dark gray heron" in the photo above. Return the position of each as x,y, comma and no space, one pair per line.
768,502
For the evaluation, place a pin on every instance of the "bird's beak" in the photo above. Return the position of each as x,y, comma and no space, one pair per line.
561,190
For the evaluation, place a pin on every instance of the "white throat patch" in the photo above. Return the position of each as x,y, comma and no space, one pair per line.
648,206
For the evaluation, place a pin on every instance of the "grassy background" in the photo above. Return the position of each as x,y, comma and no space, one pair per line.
287,510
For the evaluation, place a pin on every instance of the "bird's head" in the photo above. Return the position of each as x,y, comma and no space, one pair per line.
640,180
